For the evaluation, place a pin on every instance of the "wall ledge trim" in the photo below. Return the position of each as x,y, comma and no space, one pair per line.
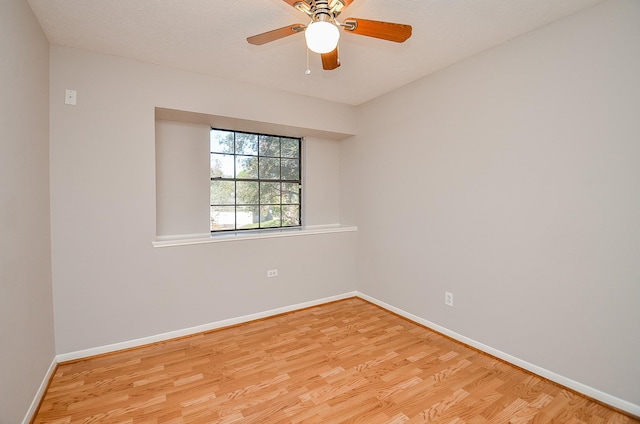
171,241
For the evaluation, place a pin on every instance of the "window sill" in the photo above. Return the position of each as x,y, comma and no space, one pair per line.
253,235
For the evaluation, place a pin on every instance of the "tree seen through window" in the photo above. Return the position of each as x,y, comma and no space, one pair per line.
255,181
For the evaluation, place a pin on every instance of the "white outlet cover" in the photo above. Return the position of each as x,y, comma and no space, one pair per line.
70,97
448,298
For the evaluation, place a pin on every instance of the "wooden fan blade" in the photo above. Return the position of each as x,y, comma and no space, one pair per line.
378,29
275,34
330,60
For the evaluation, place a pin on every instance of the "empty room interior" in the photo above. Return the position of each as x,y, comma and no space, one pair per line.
477,183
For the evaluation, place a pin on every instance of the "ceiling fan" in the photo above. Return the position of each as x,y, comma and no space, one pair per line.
322,33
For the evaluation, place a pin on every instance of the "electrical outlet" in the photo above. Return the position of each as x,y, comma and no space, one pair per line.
70,97
272,273
448,298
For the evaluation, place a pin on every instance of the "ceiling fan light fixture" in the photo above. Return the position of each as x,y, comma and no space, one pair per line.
323,32
322,37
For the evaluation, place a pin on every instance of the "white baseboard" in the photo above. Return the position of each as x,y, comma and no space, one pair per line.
603,397
80,354
40,393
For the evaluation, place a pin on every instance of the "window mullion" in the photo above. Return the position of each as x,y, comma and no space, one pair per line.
258,159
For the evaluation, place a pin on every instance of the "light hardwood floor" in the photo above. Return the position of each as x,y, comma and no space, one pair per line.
347,361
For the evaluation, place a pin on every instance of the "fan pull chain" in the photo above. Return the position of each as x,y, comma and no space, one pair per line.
308,70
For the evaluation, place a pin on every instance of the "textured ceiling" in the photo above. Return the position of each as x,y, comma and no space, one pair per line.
209,36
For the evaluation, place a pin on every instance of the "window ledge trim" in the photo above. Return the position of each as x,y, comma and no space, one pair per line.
243,235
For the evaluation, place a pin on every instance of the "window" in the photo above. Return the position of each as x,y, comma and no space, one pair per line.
255,181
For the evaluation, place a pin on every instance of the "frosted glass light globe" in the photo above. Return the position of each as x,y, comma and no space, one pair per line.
322,37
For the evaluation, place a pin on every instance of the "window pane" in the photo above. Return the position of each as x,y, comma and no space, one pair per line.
247,167
290,147
255,180
269,168
246,144
290,169
290,193
223,192
290,215
269,193
222,218
269,145
247,217
247,192
269,216
221,141
221,166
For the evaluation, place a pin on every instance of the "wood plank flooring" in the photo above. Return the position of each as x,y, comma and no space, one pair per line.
343,362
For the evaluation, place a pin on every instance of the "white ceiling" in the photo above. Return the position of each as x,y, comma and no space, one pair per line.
209,37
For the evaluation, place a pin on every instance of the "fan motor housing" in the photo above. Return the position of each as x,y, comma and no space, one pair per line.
318,8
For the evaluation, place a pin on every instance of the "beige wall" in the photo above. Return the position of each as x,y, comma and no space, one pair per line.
26,316
111,285
509,179
512,180
182,183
